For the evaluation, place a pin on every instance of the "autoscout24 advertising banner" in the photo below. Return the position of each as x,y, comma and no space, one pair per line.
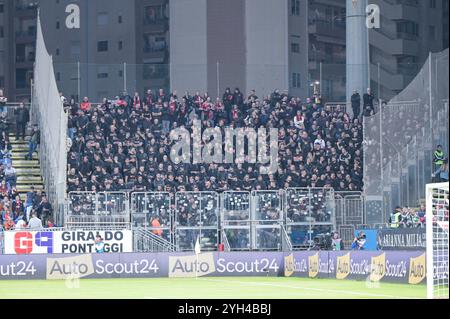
66,242
402,267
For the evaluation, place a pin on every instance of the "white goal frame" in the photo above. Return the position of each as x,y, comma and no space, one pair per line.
430,254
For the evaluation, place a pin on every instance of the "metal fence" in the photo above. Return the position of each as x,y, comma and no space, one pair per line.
48,114
309,212
400,139
349,214
257,220
150,209
197,216
267,219
103,209
236,220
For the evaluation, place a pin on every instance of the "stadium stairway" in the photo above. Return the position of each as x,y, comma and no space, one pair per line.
28,171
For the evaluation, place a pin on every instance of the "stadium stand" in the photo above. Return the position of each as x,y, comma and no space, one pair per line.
124,143
21,188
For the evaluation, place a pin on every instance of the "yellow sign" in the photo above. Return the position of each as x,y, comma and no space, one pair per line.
288,265
417,269
313,265
378,267
343,266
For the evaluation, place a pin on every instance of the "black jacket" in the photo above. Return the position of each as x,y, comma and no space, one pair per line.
22,115
356,100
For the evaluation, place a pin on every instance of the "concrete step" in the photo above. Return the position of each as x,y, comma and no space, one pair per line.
28,171
26,164
21,156
21,147
29,179
12,137
27,183
26,189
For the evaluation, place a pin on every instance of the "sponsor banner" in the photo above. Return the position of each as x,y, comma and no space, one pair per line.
66,242
343,266
417,270
249,264
401,239
401,267
359,265
191,265
70,267
371,239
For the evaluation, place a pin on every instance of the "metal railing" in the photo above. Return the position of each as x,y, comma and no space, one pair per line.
226,244
246,221
285,240
146,241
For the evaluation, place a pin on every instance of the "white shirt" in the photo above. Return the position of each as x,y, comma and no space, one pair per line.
321,142
10,171
35,223
21,224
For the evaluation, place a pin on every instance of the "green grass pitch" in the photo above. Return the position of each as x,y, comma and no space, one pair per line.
209,288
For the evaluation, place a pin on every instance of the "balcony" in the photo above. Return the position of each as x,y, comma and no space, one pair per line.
393,10
26,10
327,28
394,44
157,27
28,36
25,61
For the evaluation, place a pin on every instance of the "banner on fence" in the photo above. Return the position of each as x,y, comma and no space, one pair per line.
66,242
400,267
401,239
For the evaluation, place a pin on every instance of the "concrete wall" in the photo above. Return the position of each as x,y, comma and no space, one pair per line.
188,45
226,45
266,25
92,62
298,62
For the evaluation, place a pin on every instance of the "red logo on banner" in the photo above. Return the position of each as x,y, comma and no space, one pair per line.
23,243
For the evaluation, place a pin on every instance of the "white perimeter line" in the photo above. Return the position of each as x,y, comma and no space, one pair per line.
305,288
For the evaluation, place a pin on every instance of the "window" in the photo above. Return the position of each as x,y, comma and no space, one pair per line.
2,8
296,81
102,72
2,32
58,76
433,4
102,18
120,19
57,52
295,7
120,73
408,27
58,25
154,42
295,47
102,46
120,45
154,14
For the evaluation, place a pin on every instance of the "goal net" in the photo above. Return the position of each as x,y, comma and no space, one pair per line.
437,240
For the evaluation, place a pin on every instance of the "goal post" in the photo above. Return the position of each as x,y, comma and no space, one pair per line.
437,202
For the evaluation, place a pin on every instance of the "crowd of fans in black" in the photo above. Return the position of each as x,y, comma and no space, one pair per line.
124,144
